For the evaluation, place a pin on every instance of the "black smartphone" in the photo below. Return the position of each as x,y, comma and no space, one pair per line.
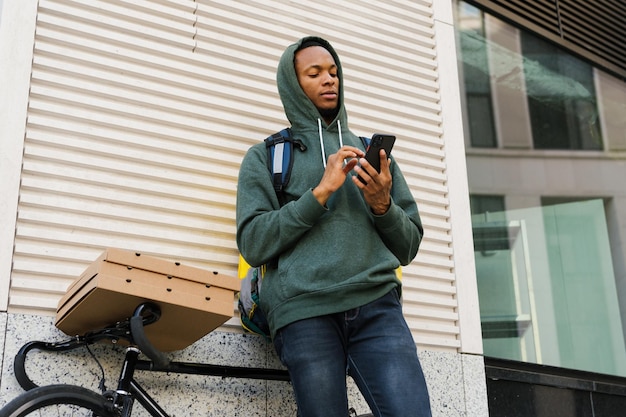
379,141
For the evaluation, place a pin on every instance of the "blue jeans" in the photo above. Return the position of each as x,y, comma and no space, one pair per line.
372,344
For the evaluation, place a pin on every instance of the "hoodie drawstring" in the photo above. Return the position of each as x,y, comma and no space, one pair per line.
340,138
319,128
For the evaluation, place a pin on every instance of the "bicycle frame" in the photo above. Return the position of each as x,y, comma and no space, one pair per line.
128,389
120,402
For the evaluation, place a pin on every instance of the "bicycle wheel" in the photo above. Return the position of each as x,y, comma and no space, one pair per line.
59,400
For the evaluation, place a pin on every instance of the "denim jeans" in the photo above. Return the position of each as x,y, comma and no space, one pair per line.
372,344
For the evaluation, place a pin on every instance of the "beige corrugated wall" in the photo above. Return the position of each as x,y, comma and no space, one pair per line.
140,112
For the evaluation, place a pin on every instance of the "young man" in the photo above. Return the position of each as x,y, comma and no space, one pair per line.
331,294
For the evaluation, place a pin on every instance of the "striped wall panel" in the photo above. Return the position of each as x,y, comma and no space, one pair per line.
141,111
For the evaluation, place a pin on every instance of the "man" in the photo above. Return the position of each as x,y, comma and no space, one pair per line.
331,294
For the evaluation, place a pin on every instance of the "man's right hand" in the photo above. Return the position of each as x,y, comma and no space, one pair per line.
337,168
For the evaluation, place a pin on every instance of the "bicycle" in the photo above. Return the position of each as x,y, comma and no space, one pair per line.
72,400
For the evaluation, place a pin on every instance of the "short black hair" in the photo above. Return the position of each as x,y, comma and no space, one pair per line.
310,42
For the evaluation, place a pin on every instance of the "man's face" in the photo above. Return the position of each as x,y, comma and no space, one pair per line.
317,74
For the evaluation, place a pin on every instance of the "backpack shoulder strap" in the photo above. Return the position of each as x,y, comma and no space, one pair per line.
280,159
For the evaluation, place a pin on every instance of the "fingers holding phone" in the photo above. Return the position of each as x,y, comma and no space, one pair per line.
373,175
373,154
376,187
366,172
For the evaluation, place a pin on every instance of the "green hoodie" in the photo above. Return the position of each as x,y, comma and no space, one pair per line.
330,258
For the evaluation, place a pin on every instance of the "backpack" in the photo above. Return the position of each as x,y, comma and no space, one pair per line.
280,148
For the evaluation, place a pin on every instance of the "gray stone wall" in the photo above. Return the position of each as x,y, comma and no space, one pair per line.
456,382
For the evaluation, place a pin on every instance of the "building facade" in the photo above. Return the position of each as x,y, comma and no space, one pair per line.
124,123
544,108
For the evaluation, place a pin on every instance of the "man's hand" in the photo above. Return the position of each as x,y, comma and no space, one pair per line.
377,187
337,167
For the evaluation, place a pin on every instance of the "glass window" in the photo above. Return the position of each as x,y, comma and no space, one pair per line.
561,97
547,287
475,71
548,226
483,204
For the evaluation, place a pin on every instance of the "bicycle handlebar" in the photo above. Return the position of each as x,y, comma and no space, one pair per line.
19,362
119,331
131,330
137,323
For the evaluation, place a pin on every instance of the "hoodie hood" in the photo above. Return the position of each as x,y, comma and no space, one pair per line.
300,111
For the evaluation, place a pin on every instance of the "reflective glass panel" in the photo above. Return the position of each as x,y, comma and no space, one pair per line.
546,155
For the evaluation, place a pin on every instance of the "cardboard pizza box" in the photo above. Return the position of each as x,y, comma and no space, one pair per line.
193,301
